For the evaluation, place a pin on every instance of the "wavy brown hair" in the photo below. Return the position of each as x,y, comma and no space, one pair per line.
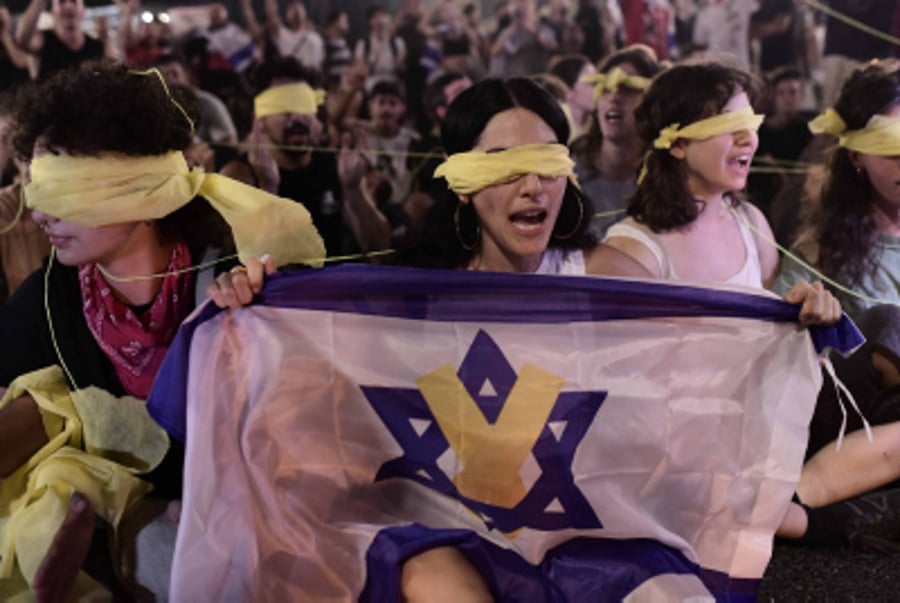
843,225
681,95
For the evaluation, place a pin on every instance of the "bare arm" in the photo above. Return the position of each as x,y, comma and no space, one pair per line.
370,227
27,27
636,251
126,31
253,27
604,260
18,56
21,433
273,20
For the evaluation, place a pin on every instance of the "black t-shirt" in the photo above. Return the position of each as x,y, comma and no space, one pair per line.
318,188
28,346
55,55
787,142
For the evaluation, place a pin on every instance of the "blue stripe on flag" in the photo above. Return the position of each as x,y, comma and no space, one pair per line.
469,296
581,569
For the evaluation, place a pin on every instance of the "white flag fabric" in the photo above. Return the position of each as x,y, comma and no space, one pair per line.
578,439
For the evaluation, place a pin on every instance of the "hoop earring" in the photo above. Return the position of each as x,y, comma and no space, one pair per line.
577,224
459,231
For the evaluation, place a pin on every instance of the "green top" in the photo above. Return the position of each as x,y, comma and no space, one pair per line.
883,283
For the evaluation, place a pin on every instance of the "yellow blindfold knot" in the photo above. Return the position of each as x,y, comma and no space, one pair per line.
881,136
724,123
291,98
113,189
829,122
470,172
612,80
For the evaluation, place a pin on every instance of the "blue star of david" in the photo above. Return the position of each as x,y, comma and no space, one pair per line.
553,502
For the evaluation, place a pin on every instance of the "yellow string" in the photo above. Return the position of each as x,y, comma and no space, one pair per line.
162,80
18,215
852,22
53,339
822,277
202,266
762,169
335,150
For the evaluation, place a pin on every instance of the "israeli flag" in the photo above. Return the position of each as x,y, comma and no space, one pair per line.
577,439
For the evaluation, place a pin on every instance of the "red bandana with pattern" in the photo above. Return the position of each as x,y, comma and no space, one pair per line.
136,344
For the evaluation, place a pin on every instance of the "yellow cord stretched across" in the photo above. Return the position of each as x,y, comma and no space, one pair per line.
53,340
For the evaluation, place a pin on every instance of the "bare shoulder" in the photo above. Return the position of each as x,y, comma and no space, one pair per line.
614,247
607,260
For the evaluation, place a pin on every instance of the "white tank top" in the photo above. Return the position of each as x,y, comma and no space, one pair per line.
749,275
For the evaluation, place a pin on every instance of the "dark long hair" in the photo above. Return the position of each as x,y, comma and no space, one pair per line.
440,246
843,224
682,95
643,59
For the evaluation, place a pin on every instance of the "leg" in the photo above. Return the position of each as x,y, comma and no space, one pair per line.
794,523
57,573
442,574
858,467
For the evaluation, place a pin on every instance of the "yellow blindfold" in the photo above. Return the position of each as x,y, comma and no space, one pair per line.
724,123
611,81
470,172
290,98
881,136
113,189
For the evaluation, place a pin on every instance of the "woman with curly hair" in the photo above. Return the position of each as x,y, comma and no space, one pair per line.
687,219
608,155
852,234
84,337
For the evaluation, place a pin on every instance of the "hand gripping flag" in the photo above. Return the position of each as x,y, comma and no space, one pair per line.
577,439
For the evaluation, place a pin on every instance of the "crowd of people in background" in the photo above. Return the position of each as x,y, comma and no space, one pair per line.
351,129
387,90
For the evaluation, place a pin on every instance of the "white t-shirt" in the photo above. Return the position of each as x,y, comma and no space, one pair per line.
381,57
305,45
724,28
391,162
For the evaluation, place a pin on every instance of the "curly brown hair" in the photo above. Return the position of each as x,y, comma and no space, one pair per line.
681,95
105,107
843,225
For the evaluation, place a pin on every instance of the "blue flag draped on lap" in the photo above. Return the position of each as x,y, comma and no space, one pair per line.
577,439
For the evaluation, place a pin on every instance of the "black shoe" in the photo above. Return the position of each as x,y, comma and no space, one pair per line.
868,523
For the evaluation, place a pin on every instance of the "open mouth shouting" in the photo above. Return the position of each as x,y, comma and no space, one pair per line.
614,117
741,163
529,222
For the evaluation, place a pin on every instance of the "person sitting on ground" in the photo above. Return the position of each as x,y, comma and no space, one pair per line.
607,158
511,205
285,158
783,136
852,234
85,337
